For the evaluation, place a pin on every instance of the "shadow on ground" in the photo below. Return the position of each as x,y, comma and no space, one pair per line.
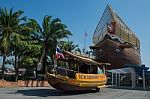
129,88
50,92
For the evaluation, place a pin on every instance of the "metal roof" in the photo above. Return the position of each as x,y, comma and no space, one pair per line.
85,59
121,70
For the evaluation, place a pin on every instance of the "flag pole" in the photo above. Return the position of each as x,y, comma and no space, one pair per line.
84,42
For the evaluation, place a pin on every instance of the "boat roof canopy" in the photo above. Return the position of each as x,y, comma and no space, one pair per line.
84,59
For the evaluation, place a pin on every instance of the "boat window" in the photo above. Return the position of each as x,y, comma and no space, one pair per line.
62,64
65,68
99,70
62,71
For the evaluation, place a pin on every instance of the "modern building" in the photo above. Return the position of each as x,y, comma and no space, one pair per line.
114,42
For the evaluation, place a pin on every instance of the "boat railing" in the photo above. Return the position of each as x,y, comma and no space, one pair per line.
65,72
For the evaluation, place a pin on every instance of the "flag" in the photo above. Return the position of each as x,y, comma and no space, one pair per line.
59,54
110,27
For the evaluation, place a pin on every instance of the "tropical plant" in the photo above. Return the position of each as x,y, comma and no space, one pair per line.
26,52
10,26
48,35
78,50
68,46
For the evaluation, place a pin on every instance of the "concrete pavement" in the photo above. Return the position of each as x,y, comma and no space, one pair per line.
50,93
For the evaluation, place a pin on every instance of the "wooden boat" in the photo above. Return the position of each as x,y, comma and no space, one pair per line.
76,72
114,41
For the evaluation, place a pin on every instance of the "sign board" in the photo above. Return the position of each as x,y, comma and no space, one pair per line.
90,77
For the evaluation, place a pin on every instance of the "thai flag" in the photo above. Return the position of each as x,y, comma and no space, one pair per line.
59,54
110,27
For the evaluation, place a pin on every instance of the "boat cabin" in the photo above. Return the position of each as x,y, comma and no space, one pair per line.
73,64
76,72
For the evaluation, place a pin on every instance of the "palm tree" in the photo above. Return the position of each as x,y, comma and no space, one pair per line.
78,50
10,26
68,46
25,49
48,35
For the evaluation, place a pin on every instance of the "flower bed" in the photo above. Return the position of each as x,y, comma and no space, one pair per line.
26,83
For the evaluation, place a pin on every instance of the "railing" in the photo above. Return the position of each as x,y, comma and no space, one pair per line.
65,72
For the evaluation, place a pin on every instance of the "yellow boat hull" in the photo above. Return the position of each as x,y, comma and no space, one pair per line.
69,84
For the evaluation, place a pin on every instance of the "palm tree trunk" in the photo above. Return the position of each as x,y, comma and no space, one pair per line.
43,53
44,62
36,72
41,62
3,66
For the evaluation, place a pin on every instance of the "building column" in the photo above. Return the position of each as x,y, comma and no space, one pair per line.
133,77
116,79
143,79
112,79
119,79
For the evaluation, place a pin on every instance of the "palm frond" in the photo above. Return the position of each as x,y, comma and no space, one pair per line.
46,25
32,23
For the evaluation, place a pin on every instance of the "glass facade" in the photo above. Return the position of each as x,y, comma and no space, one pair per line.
122,31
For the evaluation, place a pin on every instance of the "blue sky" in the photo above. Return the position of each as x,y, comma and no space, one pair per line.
83,16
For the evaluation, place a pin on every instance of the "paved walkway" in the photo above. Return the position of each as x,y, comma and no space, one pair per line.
50,93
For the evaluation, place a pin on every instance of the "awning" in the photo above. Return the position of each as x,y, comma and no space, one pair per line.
84,59
120,71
